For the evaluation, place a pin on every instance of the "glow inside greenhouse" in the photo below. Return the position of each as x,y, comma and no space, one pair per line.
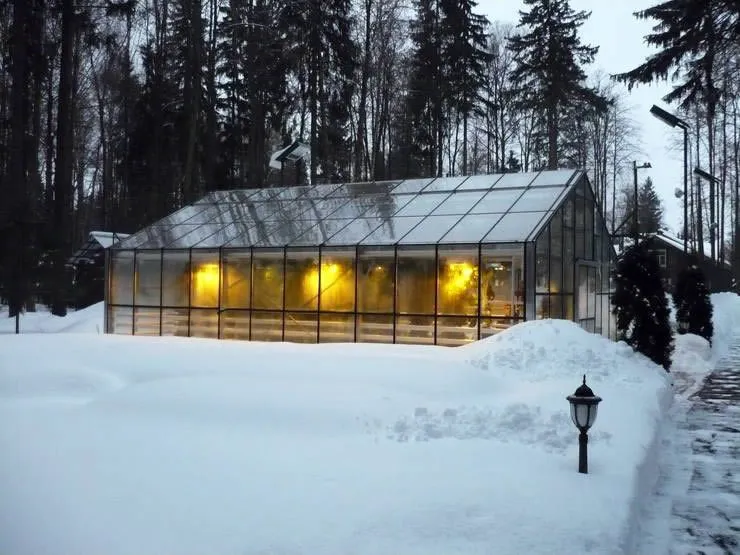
441,261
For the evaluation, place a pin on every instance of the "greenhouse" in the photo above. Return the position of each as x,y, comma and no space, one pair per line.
441,261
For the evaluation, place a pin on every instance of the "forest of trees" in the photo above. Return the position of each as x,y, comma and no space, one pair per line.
114,113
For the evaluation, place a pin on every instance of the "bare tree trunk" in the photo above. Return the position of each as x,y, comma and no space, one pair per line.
63,175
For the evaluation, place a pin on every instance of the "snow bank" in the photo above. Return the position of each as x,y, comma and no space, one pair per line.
87,320
115,444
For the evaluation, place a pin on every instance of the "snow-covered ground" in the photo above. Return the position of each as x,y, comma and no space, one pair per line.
112,444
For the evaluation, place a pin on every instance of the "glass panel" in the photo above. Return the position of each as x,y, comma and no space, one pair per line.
374,328
416,281
391,231
421,205
459,203
215,214
267,326
412,185
336,328
582,292
456,331
148,279
515,180
236,195
175,321
471,228
320,232
376,280
153,237
235,286
204,323
146,321
502,282
301,327
479,182
205,280
331,208
337,280
185,236
568,306
120,320
301,280
491,326
121,275
549,306
444,184
384,206
267,280
553,177
556,253
496,201
355,231
430,230
542,263
265,194
457,291
415,329
514,226
175,278
235,324
227,234
366,188
589,233
580,215
537,200
282,233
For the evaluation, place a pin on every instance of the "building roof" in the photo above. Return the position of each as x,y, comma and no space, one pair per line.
677,243
496,208
96,242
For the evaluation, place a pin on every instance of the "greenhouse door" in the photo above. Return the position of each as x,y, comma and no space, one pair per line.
586,274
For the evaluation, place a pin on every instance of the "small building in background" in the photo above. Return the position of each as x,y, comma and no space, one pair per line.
441,261
672,258
87,265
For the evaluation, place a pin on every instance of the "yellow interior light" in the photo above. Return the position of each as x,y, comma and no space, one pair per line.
459,277
206,278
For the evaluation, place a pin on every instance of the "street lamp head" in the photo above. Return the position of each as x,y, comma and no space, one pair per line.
705,175
583,406
668,118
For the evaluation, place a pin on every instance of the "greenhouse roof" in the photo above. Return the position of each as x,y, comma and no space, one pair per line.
496,208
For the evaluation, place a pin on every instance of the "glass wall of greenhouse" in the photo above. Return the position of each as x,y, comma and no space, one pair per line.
428,261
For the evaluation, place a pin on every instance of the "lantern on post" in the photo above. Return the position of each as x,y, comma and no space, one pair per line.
583,407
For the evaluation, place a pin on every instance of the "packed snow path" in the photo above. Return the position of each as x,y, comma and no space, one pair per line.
706,517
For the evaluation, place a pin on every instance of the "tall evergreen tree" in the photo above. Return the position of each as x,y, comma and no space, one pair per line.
640,305
549,59
692,302
465,53
650,209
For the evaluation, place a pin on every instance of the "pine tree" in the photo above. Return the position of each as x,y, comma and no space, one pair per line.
692,302
640,305
549,61
650,209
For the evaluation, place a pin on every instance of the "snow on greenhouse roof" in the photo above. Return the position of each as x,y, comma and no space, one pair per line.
447,210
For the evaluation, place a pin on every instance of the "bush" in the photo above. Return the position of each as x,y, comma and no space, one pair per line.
640,305
692,302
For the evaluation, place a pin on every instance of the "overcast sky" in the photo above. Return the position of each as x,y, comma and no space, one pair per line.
620,38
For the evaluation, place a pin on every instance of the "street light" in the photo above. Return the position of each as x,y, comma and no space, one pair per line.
674,121
583,407
712,223
635,167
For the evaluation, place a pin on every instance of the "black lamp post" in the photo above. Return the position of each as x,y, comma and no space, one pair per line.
713,181
674,121
583,407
